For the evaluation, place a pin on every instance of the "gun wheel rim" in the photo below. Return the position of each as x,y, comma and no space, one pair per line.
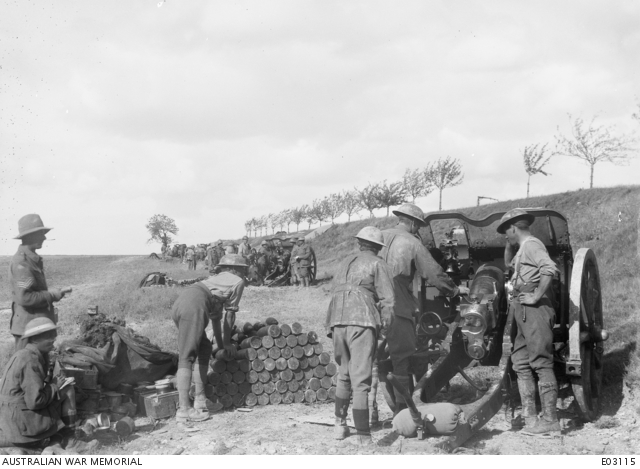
585,294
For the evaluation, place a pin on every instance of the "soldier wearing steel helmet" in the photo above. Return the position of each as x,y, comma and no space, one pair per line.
245,248
534,315
31,297
362,304
303,261
199,303
409,259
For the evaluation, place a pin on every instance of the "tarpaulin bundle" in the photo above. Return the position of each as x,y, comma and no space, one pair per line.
136,360
445,419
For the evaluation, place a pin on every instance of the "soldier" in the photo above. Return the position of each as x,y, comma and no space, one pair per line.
362,303
265,258
245,249
200,252
190,257
532,307
31,298
293,264
209,256
199,303
408,258
37,410
303,260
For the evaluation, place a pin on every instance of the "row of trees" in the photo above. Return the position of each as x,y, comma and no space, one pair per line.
589,142
440,175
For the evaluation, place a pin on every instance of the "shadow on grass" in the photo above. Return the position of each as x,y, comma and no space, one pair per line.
615,364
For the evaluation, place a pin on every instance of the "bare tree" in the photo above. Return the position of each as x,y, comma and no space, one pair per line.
286,218
367,198
247,226
351,203
535,161
298,214
254,223
334,206
416,184
272,222
446,173
319,210
594,143
390,194
262,223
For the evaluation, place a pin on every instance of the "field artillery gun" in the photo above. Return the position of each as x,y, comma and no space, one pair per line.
279,271
477,330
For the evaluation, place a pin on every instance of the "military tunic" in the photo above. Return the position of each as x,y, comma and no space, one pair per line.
363,292
30,409
244,250
533,343
30,296
408,258
305,254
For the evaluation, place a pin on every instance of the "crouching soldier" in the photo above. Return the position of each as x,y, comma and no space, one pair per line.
361,305
199,303
37,411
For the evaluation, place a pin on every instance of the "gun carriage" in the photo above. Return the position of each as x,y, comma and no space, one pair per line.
477,330
279,269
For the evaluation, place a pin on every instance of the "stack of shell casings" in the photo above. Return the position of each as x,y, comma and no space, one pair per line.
274,364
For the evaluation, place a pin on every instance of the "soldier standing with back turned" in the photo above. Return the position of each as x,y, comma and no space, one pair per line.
533,313
361,305
408,258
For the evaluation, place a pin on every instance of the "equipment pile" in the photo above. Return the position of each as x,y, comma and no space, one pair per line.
274,364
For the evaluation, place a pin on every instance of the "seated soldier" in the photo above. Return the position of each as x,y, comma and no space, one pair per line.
35,412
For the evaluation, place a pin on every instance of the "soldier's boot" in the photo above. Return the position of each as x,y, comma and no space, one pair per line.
527,390
200,401
549,421
405,381
341,430
361,422
185,412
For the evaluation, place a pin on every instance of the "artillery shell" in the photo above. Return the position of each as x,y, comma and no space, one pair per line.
275,398
285,329
274,331
239,377
325,382
286,375
263,353
269,364
287,353
244,388
271,322
312,336
226,377
332,393
292,341
288,398
293,385
274,353
309,396
232,389
257,365
267,341
319,371
281,386
298,397
263,399
213,378
251,400
314,384
257,388
331,368
281,364
314,361
281,342
308,350
269,387
317,348
264,376
308,373
226,401
293,363
322,394
303,339
296,328
232,366
298,352
244,365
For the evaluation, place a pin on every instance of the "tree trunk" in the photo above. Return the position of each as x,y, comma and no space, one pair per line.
387,210
297,227
591,184
440,202
349,215
528,180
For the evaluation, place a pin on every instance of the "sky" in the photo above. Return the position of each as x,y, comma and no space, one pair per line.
214,112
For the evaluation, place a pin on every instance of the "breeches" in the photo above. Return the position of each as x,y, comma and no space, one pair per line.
190,316
354,350
533,343
303,271
401,337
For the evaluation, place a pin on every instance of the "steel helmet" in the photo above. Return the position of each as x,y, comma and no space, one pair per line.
513,216
38,326
371,234
411,211
264,243
233,260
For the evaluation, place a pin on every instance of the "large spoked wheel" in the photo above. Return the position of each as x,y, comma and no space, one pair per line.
586,303
313,269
